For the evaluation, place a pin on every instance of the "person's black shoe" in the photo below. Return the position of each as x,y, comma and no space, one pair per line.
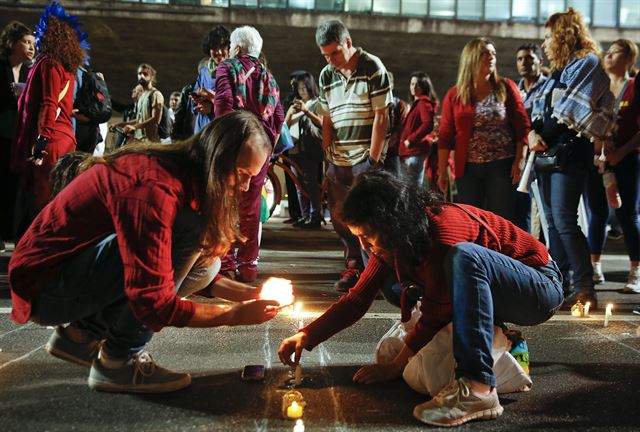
300,222
312,224
3,247
583,297
291,220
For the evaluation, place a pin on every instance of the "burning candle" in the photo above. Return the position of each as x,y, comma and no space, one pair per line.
298,375
279,290
294,411
299,427
586,309
608,314
577,310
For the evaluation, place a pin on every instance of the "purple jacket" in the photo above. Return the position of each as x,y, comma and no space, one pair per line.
224,96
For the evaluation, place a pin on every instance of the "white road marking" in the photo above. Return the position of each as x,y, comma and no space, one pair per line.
606,336
15,360
266,347
24,327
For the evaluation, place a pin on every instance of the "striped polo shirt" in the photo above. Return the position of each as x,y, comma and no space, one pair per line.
351,103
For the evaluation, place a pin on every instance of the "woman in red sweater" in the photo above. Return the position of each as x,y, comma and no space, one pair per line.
414,146
485,122
44,131
473,268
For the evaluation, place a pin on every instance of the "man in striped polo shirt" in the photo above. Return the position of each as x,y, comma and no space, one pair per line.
355,94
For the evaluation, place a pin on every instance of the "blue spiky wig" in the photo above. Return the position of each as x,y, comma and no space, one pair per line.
56,10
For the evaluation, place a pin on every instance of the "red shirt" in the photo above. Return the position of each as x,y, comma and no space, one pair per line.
456,123
452,226
628,116
137,197
417,126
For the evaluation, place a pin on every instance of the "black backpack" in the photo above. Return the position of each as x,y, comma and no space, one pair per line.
166,124
93,99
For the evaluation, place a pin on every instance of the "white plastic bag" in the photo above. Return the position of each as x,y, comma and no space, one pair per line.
431,369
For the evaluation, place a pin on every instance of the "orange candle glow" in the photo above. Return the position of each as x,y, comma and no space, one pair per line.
279,290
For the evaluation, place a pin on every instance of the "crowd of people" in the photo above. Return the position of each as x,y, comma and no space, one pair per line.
422,194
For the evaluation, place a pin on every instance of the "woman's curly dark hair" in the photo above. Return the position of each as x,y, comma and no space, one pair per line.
394,209
60,42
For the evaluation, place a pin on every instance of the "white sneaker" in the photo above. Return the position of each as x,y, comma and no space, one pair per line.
457,404
633,282
598,276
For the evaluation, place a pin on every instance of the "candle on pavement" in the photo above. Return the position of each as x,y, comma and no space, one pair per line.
294,411
299,427
298,375
608,314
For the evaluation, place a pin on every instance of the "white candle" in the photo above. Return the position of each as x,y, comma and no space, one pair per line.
586,309
299,427
607,314
298,375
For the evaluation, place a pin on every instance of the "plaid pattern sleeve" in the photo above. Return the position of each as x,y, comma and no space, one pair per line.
587,104
146,253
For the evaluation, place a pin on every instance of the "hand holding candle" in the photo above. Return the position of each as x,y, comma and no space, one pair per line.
279,290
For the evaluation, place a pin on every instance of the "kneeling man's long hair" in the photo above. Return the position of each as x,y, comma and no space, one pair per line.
209,158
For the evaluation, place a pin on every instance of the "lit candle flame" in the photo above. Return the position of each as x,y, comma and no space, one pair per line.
278,289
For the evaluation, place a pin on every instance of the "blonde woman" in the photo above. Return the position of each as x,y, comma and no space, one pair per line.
572,111
624,159
485,122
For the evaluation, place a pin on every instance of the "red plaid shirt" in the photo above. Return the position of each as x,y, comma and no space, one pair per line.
137,197
452,226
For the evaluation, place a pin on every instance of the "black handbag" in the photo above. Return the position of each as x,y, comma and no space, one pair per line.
553,159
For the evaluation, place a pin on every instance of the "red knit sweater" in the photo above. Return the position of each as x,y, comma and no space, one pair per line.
454,224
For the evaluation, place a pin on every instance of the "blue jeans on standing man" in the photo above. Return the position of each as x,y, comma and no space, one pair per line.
89,293
486,288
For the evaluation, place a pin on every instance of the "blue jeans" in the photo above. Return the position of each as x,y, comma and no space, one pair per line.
628,177
89,293
488,186
413,168
560,193
309,163
487,287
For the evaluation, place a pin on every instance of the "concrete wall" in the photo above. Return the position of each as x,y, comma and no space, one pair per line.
169,37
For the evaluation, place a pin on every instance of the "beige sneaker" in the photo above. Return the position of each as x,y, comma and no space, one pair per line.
139,374
456,404
633,282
